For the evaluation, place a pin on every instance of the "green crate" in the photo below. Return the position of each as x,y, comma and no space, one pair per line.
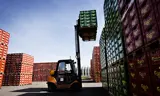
88,18
125,91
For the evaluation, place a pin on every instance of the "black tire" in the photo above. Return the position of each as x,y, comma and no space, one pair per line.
76,87
51,87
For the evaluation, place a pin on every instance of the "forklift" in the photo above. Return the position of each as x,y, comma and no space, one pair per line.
64,77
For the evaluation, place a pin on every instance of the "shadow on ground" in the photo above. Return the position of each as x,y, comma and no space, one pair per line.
87,91
88,81
31,90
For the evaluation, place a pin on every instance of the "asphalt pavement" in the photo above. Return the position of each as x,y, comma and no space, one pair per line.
40,89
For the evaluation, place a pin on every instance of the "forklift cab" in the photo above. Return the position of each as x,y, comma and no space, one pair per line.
64,77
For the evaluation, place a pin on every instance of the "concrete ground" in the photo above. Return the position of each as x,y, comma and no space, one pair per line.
40,89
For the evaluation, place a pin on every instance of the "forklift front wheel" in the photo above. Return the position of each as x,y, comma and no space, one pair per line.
51,87
76,87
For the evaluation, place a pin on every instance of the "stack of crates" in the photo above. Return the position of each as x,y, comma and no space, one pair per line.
41,70
103,61
91,70
102,51
141,30
96,66
18,69
88,25
115,49
4,41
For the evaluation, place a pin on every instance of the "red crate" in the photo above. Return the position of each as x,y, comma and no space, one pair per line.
43,69
151,34
146,89
158,13
148,20
125,22
123,5
138,42
156,79
134,22
1,77
141,58
132,11
157,1
154,56
137,31
130,47
143,3
134,87
129,38
144,74
4,37
2,66
133,75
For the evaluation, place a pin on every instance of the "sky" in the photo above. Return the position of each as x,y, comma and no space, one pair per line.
45,28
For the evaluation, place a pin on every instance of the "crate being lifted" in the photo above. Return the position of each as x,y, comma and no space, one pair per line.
87,25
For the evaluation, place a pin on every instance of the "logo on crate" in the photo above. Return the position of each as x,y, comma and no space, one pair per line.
147,22
142,74
150,34
131,65
140,62
144,87
158,89
133,75
133,85
157,74
134,94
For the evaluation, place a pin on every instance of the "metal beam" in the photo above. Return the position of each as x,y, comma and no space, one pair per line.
78,54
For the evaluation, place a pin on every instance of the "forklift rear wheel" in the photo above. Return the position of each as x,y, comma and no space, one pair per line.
51,87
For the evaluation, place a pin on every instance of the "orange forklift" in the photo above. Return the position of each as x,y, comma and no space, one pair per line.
64,77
